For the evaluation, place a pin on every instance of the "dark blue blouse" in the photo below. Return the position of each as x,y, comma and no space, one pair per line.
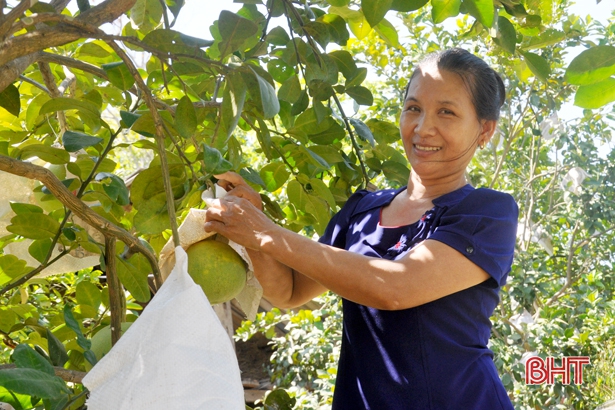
433,356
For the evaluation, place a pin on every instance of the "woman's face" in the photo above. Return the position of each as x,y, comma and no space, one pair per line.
439,127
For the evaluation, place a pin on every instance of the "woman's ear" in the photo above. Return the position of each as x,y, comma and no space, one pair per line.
487,131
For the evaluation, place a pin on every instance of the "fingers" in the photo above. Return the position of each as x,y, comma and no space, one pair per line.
230,180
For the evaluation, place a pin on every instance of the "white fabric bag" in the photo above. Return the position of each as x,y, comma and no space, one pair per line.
176,355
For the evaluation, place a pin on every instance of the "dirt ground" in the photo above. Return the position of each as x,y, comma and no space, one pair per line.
253,355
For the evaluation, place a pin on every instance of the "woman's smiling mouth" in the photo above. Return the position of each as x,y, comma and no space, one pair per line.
426,148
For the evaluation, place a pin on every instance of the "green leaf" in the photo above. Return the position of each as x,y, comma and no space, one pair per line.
129,118
39,249
133,275
279,70
234,30
12,266
592,66
171,41
443,9
146,14
394,171
148,184
119,75
277,36
269,100
72,323
320,189
345,63
20,208
279,399
214,162
547,38
538,65
185,118
115,187
233,100
27,358
274,175
34,226
338,3
359,26
250,175
9,100
74,141
290,90
88,294
33,382
384,132
175,6
358,78
507,36
301,104
152,216
331,135
264,137
408,5
88,109
363,130
361,95
595,95
374,10
481,10
47,153
387,31
57,351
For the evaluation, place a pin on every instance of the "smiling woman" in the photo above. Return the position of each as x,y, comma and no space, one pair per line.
419,268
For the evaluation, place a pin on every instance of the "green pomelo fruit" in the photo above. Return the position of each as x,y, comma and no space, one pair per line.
218,269
101,342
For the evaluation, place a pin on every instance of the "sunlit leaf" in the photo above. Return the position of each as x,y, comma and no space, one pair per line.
133,275
507,36
119,75
235,30
363,130
539,66
592,66
443,9
27,358
270,103
595,95
482,10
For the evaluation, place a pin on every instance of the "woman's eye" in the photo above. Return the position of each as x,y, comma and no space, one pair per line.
413,108
447,112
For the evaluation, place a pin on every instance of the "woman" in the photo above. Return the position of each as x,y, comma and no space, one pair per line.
419,268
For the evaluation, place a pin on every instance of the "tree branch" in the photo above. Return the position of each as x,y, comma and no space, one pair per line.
25,169
46,37
115,302
7,21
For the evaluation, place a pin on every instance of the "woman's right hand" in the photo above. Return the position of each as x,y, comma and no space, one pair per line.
235,185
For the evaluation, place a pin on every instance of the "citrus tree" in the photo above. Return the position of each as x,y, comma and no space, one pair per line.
109,134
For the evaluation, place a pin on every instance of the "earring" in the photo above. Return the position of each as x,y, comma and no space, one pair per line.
481,146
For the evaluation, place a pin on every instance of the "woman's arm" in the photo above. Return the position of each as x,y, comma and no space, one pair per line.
428,272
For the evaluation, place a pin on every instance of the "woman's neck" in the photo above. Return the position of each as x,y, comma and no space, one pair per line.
419,189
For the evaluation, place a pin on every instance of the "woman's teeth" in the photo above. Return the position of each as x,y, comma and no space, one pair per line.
421,148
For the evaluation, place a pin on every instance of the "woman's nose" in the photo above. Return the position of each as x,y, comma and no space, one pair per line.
424,125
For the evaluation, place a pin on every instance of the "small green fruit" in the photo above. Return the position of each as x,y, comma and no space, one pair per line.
101,342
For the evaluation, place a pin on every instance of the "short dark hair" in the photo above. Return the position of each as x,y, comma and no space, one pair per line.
485,85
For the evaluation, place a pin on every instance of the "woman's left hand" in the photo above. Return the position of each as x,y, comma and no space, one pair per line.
239,220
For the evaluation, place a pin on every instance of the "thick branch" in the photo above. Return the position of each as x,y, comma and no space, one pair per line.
7,21
24,169
71,376
46,37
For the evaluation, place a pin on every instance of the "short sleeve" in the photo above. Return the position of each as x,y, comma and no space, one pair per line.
335,233
483,227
